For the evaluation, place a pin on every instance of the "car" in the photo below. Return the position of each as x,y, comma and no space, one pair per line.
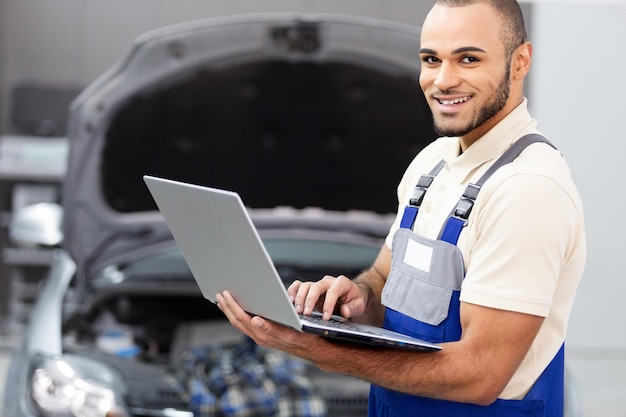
311,118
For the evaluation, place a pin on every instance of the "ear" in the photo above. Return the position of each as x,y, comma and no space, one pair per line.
521,61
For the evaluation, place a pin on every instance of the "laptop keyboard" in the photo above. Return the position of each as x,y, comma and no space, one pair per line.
335,323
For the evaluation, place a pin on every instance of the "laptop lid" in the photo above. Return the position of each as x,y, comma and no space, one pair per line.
226,254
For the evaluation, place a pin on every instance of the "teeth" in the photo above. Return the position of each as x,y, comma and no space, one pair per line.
451,102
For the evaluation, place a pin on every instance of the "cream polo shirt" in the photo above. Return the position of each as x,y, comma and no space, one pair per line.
524,246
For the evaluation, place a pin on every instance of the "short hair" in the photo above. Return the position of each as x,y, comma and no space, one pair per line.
513,29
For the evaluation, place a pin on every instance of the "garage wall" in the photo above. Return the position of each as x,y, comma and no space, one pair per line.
578,95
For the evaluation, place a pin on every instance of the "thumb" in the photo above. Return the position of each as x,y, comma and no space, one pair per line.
353,308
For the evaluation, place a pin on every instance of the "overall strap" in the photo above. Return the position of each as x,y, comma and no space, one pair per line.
459,215
410,211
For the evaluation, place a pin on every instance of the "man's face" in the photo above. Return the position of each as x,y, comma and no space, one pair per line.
465,73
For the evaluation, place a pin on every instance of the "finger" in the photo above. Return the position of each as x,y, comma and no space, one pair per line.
301,296
339,287
315,293
346,295
353,308
233,311
253,327
292,291
223,305
355,302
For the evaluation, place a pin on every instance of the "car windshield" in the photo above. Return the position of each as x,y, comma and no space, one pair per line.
292,256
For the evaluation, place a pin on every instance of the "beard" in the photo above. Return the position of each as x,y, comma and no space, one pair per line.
489,110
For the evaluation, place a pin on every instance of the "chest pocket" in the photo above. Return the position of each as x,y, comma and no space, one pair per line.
424,275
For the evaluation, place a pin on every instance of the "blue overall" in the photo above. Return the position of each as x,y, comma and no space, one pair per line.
545,397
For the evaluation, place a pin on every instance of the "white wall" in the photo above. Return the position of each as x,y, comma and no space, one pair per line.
578,92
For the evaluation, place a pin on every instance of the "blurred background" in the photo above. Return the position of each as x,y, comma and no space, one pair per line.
51,49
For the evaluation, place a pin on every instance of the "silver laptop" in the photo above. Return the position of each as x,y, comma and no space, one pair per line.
223,250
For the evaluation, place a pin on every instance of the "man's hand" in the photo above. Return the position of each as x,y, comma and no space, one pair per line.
357,299
266,333
329,295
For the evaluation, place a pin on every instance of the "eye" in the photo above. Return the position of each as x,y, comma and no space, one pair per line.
468,59
429,59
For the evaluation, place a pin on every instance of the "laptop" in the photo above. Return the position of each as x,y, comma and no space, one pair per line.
223,250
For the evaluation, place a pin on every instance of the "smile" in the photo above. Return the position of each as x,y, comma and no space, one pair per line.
455,101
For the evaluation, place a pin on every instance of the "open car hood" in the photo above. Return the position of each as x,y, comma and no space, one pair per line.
287,109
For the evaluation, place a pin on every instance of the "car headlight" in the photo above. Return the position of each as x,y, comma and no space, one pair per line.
58,390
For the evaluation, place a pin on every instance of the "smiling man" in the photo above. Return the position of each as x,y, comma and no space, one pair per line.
486,252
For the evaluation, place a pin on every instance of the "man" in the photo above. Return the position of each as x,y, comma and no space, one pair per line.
497,287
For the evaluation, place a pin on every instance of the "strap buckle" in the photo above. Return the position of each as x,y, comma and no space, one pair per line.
466,203
420,190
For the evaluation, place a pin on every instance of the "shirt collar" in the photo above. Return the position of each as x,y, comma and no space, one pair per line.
492,144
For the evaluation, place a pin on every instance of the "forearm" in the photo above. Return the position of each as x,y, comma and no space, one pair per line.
440,375
475,369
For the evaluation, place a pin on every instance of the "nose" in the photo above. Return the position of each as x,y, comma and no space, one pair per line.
446,76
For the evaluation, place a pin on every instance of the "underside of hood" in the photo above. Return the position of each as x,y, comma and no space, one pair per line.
288,110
